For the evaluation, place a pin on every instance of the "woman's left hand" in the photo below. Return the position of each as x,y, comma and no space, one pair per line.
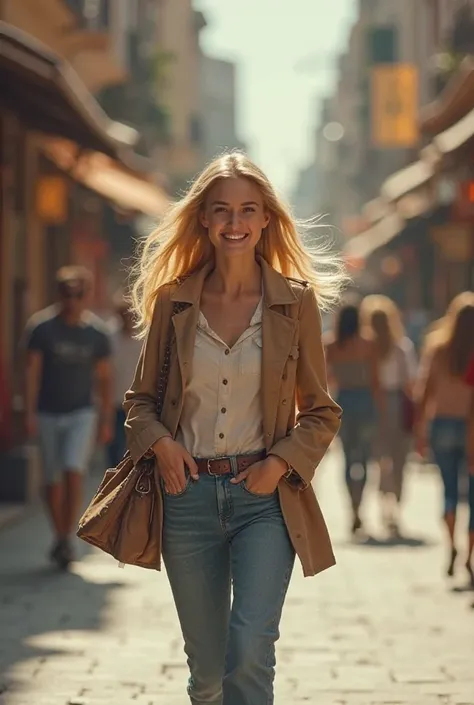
263,477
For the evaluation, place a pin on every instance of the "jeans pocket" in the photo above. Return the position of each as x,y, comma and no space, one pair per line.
174,495
256,495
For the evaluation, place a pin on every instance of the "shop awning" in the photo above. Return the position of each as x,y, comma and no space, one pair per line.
375,210
457,136
364,245
455,101
48,96
407,180
126,188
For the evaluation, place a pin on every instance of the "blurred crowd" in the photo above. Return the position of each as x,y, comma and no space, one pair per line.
398,401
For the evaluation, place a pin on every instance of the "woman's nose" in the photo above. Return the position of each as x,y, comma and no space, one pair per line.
234,218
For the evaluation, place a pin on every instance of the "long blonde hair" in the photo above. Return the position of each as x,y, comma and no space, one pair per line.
181,246
454,334
383,322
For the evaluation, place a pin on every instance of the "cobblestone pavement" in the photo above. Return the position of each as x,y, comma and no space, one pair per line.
383,626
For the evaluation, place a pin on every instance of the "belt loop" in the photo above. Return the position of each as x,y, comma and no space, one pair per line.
233,465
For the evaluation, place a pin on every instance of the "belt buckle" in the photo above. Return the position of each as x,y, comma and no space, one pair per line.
210,460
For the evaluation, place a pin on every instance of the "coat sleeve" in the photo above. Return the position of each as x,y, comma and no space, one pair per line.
318,417
142,426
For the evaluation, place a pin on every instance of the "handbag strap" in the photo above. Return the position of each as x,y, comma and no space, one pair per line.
178,306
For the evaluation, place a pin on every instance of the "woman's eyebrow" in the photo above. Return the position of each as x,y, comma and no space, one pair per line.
225,203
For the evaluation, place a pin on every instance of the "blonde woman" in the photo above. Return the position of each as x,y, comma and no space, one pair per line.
445,401
234,460
397,370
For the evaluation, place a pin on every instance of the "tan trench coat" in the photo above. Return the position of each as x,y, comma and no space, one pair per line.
293,369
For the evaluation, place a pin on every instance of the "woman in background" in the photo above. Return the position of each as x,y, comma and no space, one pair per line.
397,370
353,372
445,400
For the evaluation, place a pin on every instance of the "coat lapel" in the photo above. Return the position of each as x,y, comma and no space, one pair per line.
188,291
278,332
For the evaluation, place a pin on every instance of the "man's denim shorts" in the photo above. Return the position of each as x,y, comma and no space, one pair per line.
66,442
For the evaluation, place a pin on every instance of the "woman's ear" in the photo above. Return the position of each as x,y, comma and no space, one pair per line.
266,218
203,219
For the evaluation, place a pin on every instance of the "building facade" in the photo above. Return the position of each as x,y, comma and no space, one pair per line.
219,107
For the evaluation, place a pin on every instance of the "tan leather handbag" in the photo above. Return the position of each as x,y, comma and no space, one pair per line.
121,518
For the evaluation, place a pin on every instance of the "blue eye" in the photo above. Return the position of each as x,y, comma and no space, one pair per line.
249,209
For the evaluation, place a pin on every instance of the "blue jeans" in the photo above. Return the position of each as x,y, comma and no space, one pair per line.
216,535
448,442
116,448
357,435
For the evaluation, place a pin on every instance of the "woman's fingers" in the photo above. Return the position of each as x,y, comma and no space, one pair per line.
192,466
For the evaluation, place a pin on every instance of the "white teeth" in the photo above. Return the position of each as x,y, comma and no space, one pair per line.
235,237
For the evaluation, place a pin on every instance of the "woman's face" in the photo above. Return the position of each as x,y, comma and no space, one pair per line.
234,216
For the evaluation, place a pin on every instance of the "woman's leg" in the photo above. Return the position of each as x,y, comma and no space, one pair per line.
262,559
448,461
197,560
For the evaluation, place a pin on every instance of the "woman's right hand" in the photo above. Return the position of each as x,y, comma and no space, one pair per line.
172,461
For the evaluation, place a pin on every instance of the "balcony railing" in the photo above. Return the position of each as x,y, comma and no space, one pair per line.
91,14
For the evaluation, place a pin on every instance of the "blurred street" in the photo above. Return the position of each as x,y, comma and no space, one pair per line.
381,627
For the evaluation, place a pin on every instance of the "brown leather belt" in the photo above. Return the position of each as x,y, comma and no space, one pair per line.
225,466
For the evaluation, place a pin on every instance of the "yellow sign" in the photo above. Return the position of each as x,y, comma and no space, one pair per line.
394,99
52,199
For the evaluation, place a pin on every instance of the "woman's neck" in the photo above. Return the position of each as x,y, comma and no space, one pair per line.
234,277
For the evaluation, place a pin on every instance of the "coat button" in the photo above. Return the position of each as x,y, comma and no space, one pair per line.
173,402
284,401
221,435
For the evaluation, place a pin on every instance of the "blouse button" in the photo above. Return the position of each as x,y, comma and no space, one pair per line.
227,351
221,435
223,410
225,381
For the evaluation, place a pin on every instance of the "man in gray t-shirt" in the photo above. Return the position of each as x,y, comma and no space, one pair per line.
68,366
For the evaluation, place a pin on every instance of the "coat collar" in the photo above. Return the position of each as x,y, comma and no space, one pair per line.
277,290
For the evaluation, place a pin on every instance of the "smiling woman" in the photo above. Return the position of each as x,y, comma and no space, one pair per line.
234,462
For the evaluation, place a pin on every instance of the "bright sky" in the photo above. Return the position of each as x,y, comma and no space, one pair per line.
278,102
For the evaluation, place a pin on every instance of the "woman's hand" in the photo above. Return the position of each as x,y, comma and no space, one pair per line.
172,460
421,439
263,477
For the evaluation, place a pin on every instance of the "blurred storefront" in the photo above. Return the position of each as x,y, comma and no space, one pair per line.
63,164
421,251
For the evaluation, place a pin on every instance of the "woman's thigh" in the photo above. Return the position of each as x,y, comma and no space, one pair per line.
197,560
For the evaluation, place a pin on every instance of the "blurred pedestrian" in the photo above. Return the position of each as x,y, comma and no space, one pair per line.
233,459
125,353
470,461
353,371
68,361
445,402
397,372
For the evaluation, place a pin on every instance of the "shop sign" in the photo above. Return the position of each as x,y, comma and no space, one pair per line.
394,100
52,200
